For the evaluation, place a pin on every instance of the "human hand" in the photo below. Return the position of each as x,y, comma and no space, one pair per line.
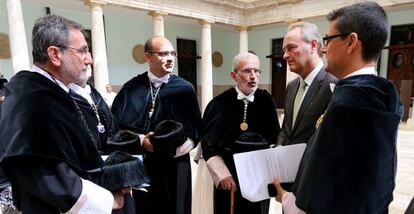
146,144
280,190
228,184
119,198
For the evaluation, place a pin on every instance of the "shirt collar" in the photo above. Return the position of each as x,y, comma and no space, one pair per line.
84,92
241,95
311,76
363,71
157,81
49,76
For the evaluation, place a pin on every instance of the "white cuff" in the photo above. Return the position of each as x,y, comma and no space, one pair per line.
218,169
93,199
141,138
187,146
288,204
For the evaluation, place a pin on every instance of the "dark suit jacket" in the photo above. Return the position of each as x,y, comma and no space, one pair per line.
313,106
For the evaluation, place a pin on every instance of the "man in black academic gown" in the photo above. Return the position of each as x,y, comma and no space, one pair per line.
349,164
45,148
238,110
144,102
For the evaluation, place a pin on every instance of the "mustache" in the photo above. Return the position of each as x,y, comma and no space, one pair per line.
252,82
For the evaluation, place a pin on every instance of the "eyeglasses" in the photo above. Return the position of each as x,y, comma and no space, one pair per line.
83,50
164,53
327,38
249,70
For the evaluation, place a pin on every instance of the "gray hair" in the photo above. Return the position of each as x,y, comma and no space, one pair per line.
309,32
241,56
50,30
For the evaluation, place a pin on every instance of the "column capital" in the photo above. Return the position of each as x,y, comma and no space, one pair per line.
243,28
96,2
292,21
205,21
157,13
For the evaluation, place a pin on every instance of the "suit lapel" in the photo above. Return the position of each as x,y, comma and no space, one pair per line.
313,89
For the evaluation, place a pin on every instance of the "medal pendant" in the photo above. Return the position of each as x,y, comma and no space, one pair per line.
150,112
244,126
101,128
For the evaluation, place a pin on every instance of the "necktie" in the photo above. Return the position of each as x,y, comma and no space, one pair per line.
298,100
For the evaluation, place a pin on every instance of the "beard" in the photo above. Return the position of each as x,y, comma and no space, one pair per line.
78,77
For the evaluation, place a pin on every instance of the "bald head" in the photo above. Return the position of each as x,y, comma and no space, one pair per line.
155,41
160,55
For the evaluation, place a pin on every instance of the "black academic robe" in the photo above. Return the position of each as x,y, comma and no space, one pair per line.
105,117
221,128
107,120
170,178
349,164
44,146
2,90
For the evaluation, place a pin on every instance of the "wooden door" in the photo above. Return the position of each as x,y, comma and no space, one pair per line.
187,60
278,69
401,64
401,55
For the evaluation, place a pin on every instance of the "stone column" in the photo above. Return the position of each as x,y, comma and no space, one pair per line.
158,21
100,62
17,36
244,39
206,64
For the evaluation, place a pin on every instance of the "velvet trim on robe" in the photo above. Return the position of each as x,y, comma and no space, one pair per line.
107,120
221,128
105,117
349,165
36,123
175,101
170,178
43,139
111,128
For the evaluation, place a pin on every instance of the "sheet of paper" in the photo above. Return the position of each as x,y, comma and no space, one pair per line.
257,169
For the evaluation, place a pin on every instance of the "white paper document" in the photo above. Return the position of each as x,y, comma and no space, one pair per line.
257,169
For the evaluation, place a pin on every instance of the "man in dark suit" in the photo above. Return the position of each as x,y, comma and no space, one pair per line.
305,104
307,96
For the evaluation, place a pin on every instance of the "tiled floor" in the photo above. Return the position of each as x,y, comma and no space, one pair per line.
404,190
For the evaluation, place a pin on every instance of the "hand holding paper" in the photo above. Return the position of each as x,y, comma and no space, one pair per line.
257,169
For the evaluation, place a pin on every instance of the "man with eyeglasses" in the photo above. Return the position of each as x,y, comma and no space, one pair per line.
308,95
46,151
243,110
144,102
349,164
